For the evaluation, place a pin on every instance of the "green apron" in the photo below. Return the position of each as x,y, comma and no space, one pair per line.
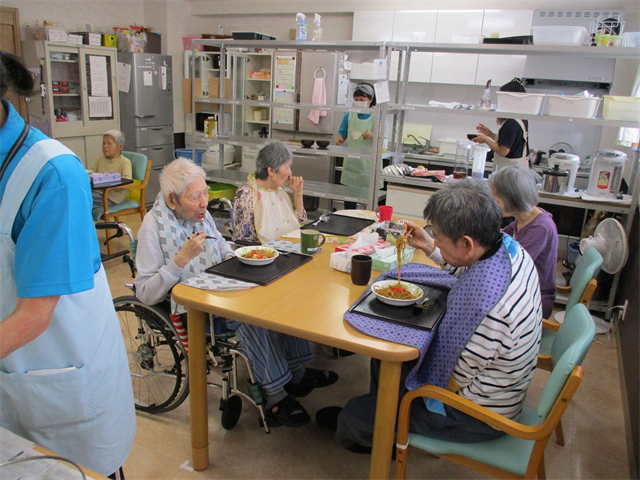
356,171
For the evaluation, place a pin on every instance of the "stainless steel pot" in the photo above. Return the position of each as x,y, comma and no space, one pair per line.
555,180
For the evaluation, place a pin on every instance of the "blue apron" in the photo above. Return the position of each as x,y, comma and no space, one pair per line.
80,405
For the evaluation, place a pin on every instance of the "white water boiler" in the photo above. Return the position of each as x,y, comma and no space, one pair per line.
566,161
606,173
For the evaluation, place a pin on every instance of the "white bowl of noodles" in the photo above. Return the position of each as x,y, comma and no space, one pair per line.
384,288
256,256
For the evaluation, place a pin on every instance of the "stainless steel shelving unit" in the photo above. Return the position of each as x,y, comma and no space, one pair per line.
368,197
400,107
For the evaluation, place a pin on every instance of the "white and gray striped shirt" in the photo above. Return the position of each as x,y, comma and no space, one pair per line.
496,366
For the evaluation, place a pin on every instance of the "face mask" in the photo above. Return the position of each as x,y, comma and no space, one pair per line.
360,104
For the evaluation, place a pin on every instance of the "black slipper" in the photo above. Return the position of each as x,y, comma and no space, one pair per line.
289,412
313,378
328,417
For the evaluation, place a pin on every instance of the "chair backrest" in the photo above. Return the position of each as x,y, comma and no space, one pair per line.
587,268
138,164
570,346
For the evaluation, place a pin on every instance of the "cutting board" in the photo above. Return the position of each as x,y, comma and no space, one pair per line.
415,129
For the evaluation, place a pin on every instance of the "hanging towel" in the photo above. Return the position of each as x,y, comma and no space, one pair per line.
319,97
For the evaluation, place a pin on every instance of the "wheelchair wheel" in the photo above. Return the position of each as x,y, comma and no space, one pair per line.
231,410
157,360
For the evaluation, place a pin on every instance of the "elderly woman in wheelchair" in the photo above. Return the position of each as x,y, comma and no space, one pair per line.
179,239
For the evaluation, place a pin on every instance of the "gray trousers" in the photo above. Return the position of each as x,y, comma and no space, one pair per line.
355,422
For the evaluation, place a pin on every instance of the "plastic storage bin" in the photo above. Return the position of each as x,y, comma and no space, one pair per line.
448,145
186,153
626,109
572,106
219,190
513,102
560,35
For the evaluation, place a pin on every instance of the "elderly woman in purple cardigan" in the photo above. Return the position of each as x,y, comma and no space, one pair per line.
515,190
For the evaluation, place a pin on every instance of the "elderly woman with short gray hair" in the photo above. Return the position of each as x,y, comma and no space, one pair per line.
516,191
262,210
112,160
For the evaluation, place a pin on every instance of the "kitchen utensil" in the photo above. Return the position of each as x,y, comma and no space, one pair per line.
307,143
471,136
384,212
555,180
566,161
461,167
479,152
323,218
323,144
606,173
361,269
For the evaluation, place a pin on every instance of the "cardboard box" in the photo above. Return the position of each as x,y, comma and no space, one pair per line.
55,34
75,39
186,95
106,177
391,262
214,91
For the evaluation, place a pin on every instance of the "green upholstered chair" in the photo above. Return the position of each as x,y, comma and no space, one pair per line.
520,452
140,170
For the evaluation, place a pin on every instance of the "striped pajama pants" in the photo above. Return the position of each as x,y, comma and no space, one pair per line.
272,355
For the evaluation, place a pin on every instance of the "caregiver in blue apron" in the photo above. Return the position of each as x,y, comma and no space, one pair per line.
64,378
357,130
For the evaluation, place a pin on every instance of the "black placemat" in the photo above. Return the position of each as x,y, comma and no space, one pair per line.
426,318
262,275
341,225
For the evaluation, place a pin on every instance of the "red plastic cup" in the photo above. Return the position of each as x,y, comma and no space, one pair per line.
384,212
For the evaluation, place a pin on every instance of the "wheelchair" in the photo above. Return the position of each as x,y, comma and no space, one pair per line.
158,358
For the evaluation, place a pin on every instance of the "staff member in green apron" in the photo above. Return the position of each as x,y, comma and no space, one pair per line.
357,130
510,144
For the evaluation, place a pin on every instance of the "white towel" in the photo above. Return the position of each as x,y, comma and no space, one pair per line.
319,97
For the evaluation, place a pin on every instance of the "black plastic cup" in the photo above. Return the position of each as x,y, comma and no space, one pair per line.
361,269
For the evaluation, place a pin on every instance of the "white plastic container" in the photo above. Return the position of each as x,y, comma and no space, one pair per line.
572,106
625,109
479,152
606,173
514,102
560,35
448,145
631,39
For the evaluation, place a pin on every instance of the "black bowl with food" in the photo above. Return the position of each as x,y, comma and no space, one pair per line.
307,143
323,144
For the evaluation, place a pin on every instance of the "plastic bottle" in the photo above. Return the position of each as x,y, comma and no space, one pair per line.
461,167
210,127
301,27
317,31
485,100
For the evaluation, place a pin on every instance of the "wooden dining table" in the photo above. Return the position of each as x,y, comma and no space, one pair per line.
310,303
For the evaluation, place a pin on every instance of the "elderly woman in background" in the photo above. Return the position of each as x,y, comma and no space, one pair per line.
112,160
515,190
262,210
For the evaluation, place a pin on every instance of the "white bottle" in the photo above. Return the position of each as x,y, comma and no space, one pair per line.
317,31
485,100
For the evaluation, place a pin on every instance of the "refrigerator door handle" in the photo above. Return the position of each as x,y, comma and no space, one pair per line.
144,116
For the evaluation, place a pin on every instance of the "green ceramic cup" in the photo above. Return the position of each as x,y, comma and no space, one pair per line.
310,241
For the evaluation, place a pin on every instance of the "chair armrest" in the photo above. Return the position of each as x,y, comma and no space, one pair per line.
550,325
483,414
563,290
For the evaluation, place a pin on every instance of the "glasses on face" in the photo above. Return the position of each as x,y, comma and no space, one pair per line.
196,196
429,230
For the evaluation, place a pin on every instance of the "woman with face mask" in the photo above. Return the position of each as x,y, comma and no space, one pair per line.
357,130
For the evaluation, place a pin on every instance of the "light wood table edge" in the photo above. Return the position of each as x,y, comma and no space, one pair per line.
88,472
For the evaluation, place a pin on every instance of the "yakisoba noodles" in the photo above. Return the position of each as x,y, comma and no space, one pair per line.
397,291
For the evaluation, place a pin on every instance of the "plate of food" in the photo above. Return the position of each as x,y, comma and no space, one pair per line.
256,255
399,294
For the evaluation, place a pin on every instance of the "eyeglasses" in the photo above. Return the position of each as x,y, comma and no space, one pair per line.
429,230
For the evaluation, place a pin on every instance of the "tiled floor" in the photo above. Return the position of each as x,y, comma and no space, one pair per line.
593,424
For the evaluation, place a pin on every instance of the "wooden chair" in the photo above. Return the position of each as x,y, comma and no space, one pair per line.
520,452
140,170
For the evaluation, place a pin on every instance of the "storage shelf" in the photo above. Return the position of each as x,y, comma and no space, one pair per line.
62,61
259,79
65,94
261,122
262,103
599,122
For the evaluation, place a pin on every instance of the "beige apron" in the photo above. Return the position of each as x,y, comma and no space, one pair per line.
272,212
501,161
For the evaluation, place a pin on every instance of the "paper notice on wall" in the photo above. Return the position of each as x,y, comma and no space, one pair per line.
100,107
343,89
382,92
124,77
380,69
98,76
147,78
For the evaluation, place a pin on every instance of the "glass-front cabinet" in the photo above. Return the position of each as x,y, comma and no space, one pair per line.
75,98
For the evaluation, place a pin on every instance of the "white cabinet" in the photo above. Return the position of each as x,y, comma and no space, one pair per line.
415,26
372,27
502,68
407,202
457,26
81,99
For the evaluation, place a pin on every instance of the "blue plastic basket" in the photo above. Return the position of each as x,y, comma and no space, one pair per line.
186,153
